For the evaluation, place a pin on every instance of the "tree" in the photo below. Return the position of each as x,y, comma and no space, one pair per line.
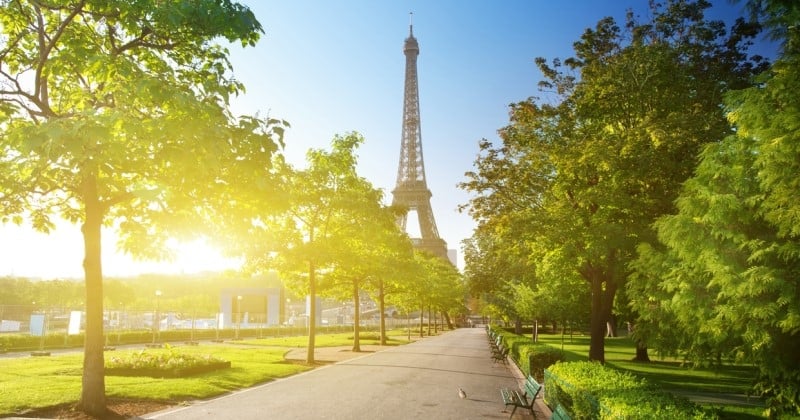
560,294
606,160
497,255
370,246
108,109
445,289
323,204
388,257
397,262
409,291
117,294
728,261
730,279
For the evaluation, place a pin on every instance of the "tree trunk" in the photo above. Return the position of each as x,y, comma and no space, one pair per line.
382,306
603,290
449,321
93,396
435,323
641,353
421,325
408,325
356,318
597,324
429,320
518,326
611,326
312,312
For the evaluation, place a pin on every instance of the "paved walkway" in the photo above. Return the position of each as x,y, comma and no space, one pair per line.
415,381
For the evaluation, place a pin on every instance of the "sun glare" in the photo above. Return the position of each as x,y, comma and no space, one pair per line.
198,256
27,253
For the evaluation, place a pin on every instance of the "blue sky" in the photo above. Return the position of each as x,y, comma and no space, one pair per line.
332,67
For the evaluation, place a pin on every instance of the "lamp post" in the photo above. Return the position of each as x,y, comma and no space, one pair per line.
156,316
238,315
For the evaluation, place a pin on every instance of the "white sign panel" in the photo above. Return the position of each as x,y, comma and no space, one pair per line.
74,327
273,309
9,326
37,325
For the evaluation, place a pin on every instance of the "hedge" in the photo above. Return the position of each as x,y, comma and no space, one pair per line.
589,390
27,342
532,358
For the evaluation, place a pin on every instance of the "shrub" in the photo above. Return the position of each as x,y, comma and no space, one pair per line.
171,359
591,390
541,357
532,358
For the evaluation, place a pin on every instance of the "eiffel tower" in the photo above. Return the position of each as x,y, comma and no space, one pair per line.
411,191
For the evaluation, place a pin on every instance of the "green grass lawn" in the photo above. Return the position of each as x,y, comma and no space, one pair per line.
666,372
24,379
669,373
393,338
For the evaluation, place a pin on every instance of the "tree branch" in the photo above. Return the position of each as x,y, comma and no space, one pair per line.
113,201
45,48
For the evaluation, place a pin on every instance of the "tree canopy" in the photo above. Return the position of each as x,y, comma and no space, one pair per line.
579,181
725,271
115,113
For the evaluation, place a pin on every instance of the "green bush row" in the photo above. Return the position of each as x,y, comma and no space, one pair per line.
532,358
589,390
26,342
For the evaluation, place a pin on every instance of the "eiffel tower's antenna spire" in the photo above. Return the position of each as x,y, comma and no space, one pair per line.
411,24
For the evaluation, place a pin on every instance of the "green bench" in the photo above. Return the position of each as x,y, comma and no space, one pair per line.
499,351
522,399
560,413
500,354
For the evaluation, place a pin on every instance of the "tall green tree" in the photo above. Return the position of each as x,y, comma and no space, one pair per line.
115,113
370,249
396,262
405,294
389,257
637,102
445,291
497,256
727,265
323,205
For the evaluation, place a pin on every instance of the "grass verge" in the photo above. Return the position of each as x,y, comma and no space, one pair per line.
29,383
669,373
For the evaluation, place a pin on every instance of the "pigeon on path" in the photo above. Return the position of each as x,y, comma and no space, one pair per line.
461,393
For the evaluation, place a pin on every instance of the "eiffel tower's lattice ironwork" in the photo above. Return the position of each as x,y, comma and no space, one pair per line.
411,191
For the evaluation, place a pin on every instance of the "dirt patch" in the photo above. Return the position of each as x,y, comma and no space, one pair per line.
117,409
327,355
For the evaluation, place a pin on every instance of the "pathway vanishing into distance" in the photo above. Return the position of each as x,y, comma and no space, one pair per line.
414,381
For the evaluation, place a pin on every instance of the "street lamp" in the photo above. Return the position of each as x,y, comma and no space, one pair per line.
156,316
238,315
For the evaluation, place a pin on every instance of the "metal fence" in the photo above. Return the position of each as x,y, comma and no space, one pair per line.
22,319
